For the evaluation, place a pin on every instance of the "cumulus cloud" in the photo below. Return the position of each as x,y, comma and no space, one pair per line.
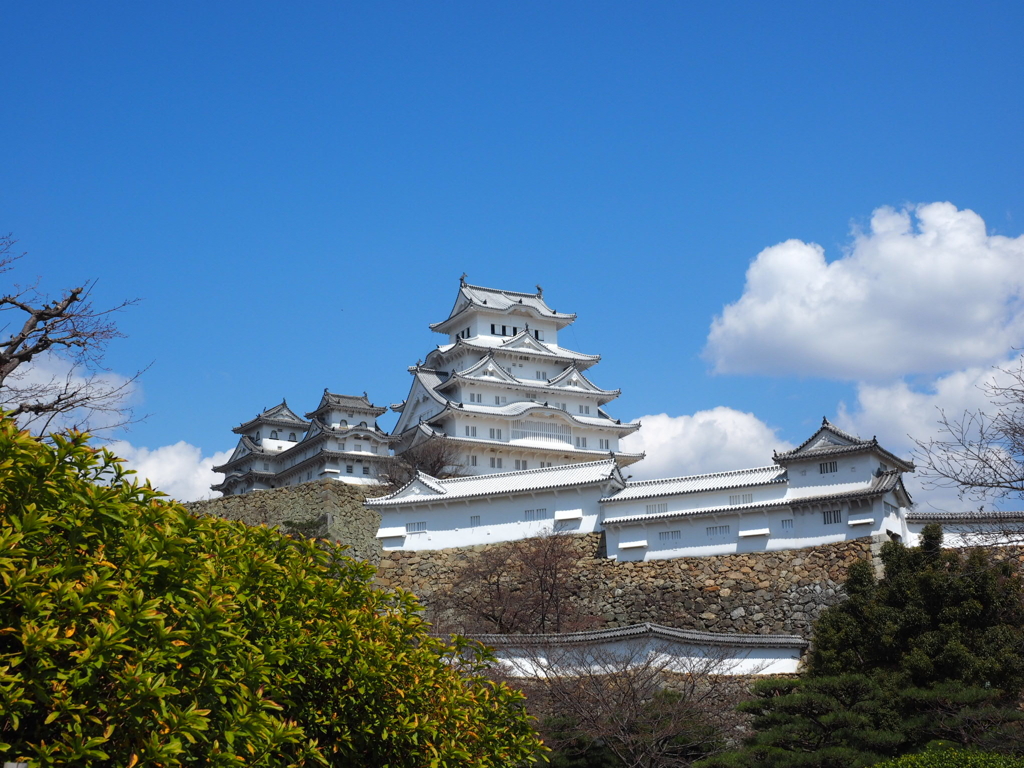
715,440
179,470
925,290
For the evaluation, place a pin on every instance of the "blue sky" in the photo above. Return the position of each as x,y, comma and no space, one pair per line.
294,189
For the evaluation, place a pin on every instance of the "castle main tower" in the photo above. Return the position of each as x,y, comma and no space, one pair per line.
505,392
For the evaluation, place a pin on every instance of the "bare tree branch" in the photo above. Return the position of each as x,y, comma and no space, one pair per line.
981,454
642,700
438,458
51,357
514,587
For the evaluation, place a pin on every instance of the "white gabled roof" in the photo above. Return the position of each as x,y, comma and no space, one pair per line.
487,370
246,448
425,489
672,486
657,631
520,344
879,485
829,441
476,297
523,407
345,402
278,416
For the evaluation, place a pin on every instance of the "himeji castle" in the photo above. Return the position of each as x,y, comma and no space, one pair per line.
537,452
340,440
506,392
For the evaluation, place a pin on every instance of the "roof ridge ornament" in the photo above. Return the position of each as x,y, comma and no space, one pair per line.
540,291
462,280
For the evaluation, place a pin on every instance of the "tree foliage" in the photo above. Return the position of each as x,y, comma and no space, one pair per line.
932,651
952,758
132,633
51,357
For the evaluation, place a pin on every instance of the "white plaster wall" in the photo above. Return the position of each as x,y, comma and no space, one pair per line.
686,501
276,446
985,533
353,418
614,656
853,469
501,519
809,530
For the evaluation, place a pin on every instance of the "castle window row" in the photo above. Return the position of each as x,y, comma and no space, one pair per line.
504,330
273,436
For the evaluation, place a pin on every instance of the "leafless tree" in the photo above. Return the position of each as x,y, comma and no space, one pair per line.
980,453
515,587
648,705
51,357
438,458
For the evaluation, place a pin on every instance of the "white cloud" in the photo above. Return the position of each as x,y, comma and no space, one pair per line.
715,440
925,291
180,470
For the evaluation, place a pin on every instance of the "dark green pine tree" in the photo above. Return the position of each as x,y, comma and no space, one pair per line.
932,651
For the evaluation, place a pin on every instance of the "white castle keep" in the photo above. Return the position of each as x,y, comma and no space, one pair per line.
506,392
538,453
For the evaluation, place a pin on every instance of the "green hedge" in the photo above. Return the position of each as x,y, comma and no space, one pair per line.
953,758
132,633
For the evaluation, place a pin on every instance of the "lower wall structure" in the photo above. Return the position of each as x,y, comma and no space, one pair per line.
754,593
323,509
751,593
648,646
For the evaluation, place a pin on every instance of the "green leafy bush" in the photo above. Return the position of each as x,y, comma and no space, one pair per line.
132,633
953,758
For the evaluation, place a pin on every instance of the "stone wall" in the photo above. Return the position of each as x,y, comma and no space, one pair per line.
323,509
760,592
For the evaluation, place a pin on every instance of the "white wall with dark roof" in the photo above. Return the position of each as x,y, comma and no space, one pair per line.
754,530
502,517
651,646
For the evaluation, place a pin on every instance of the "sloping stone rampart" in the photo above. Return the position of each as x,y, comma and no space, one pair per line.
322,508
761,592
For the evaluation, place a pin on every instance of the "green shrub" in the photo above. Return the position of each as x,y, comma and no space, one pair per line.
952,758
132,633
